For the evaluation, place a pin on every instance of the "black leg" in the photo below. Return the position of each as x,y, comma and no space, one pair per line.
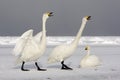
38,68
22,67
65,67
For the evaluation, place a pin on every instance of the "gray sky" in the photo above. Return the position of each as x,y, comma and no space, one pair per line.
17,16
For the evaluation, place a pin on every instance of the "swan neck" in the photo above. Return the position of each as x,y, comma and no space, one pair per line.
79,34
88,52
43,39
44,25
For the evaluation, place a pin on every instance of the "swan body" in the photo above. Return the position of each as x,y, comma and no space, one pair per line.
64,51
31,50
89,60
21,42
61,53
29,47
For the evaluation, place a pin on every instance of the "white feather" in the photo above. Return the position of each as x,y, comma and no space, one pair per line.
37,37
21,42
90,61
61,53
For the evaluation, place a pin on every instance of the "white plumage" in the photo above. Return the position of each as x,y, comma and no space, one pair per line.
37,37
89,60
64,51
29,48
24,40
61,53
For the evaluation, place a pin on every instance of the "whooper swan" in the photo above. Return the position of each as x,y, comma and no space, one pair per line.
89,60
64,51
29,48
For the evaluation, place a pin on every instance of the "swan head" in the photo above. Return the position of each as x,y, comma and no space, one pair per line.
87,48
47,15
86,18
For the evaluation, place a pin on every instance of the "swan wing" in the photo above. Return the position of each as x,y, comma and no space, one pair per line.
21,42
30,49
37,37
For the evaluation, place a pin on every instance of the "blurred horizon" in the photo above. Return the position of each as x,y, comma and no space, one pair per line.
56,40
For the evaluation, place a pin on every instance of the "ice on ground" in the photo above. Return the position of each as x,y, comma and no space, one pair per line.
109,70
56,40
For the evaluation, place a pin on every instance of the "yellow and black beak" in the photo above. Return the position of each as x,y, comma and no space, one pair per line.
88,17
50,14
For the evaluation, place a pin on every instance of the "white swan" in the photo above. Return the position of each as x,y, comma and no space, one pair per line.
29,48
62,52
21,42
89,60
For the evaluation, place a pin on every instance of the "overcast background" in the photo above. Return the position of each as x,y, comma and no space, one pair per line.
17,16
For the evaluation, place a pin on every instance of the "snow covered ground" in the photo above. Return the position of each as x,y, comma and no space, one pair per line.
106,48
109,70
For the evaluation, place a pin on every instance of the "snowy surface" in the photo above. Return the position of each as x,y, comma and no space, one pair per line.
54,40
109,70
